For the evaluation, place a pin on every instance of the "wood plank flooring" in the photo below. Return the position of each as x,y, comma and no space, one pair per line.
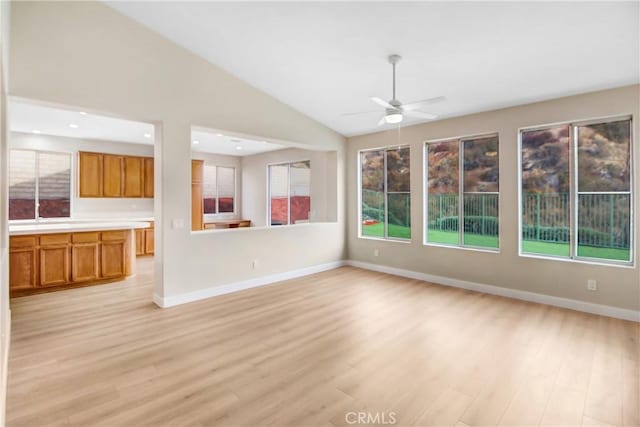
311,352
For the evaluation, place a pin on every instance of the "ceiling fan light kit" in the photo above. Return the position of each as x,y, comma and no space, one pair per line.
395,111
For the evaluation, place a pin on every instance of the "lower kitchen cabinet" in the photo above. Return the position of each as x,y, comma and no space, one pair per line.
40,263
145,243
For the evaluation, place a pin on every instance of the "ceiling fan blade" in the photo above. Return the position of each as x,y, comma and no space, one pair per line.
421,115
382,121
359,112
419,104
382,102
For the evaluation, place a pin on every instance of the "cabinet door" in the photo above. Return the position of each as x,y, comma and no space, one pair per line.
54,265
149,243
140,243
112,174
85,262
90,175
148,176
133,176
112,259
23,267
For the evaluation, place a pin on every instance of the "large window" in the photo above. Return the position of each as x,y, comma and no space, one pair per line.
385,193
39,184
289,193
462,202
576,190
219,189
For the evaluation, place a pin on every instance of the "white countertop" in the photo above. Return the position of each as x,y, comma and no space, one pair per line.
54,227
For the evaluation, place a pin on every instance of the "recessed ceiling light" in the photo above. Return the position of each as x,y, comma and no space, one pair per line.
195,141
83,113
73,125
219,134
147,135
238,148
36,131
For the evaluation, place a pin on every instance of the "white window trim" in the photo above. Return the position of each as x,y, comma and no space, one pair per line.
425,194
72,182
288,163
218,214
386,237
573,174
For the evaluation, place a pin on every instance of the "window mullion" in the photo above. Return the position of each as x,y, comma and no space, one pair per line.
460,193
386,197
573,189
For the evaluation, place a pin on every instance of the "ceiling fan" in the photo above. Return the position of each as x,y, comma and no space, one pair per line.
395,111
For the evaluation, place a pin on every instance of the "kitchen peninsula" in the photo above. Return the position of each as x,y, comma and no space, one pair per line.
52,256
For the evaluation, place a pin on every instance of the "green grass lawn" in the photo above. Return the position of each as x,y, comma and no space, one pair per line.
451,238
377,230
562,249
478,240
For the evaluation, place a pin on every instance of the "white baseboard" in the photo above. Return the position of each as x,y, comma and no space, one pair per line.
240,286
603,310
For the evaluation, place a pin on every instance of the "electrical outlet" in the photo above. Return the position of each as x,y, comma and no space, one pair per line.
177,223
592,285
376,252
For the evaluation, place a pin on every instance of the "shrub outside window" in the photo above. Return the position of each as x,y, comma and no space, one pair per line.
385,197
473,219
576,192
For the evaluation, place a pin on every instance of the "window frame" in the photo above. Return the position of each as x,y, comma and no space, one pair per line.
425,193
218,214
574,194
72,185
288,163
386,237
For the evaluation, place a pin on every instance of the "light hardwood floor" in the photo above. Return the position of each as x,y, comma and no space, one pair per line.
309,351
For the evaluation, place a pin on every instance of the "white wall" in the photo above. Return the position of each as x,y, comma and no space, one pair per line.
255,183
84,207
617,286
86,55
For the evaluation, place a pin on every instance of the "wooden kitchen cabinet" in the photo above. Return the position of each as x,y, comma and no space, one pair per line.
133,176
148,177
140,241
45,262
197,203
112,175
90,174
145,244
55,266
85,257
23,263
149,241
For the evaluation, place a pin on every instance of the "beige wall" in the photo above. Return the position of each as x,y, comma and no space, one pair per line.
617,286
87,55
255,183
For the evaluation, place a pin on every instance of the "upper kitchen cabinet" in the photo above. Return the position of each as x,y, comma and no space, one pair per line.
90,176
112,175
148,176
133,177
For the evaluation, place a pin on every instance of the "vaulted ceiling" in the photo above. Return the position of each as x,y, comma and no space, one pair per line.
329,58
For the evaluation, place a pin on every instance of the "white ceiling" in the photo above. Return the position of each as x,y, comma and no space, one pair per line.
328,58
219,143
47,120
